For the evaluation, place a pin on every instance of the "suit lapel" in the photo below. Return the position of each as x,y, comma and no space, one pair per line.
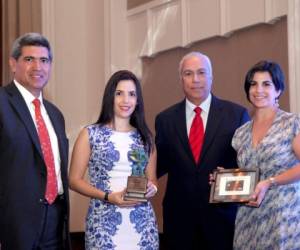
180,124
21,109
213,122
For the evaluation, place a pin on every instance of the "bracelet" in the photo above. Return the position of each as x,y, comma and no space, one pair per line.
272,182
106,196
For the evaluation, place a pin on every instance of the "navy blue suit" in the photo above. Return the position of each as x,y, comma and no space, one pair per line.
190,222
23,172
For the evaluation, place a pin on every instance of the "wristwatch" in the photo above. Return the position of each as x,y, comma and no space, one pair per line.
106,196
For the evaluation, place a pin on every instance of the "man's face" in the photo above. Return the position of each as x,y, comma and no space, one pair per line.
32,69
196,79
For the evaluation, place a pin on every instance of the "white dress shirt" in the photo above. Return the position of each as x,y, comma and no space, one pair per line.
28,97
190,113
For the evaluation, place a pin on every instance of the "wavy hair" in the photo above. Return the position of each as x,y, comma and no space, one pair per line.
272,68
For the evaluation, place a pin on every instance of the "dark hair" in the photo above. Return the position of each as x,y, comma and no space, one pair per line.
30,39
266,66
137,118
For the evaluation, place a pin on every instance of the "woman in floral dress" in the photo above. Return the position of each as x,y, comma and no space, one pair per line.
118,143
271,143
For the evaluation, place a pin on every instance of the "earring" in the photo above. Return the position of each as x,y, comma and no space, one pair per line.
276,102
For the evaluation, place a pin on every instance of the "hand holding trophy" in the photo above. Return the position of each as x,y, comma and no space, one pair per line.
137,182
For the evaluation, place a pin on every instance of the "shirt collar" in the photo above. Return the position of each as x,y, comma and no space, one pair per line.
28,97
205,105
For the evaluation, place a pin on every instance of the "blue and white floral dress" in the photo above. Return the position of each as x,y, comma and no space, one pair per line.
109,227
276,223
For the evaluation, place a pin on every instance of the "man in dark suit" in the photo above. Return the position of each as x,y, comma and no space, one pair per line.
189,221
34,201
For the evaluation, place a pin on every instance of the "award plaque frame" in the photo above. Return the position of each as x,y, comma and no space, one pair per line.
136,188
233,185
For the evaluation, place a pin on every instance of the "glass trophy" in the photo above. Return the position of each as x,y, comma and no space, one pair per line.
137,182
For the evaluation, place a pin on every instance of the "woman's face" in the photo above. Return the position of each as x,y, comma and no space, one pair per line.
125,99
262,92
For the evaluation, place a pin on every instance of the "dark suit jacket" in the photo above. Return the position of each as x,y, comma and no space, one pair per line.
23,171
185,204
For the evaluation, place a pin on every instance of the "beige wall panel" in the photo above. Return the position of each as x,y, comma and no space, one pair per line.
203,19
135,3
71,61
137,38
117,32
244,13
165,27
279,7
76,28
180,23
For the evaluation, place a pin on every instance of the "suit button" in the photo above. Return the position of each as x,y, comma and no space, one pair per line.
41,200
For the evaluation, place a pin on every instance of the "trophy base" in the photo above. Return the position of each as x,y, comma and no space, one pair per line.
132,196
136,189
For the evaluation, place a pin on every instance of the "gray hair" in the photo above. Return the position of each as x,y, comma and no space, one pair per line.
30,39
195,54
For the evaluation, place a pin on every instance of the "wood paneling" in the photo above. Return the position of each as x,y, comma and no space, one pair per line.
18,17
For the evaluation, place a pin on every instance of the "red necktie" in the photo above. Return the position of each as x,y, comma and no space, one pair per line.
51,187
196,134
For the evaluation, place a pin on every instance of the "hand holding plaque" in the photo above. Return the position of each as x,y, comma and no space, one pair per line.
137,182
233,185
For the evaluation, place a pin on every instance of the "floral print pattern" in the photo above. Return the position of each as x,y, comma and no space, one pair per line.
140,218
106,170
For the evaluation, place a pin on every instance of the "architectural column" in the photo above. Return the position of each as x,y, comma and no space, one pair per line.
294,54
116,36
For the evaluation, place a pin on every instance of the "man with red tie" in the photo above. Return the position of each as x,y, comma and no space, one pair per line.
193,137
34,200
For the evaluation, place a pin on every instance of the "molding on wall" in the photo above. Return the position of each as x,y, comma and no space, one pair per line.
161,25
184,23
224,18
294,53
147,6
269,15
48,30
